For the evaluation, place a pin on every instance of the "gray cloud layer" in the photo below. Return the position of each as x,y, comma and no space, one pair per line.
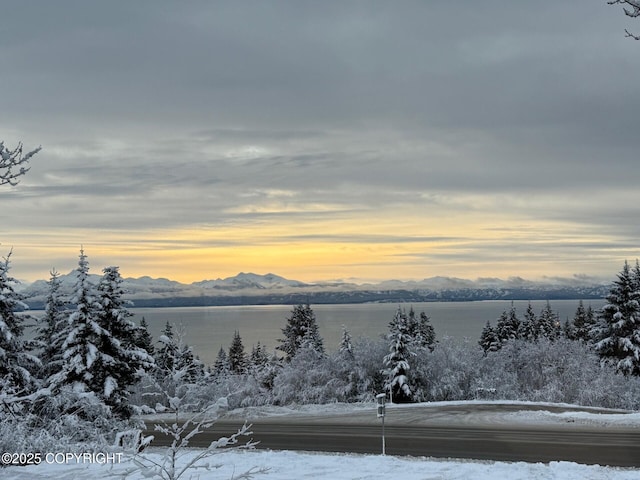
175,114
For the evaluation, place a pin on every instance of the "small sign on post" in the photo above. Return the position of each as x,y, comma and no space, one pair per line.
381,398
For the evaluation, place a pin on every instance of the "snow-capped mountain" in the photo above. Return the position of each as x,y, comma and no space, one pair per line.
250,280
147,287
251,288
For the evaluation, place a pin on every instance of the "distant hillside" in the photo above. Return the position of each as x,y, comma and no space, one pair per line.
255,289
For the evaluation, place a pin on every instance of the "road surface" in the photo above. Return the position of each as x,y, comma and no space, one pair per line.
459,431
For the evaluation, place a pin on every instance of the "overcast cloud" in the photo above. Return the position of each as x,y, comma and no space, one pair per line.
357,122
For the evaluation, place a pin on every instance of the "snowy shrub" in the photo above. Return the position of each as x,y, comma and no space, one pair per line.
563,370
79,420
610,390
68,401
69,433
235,389
449,372
310,377
17,434
367,367
494,379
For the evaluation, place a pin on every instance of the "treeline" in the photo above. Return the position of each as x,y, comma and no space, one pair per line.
592,359
412,365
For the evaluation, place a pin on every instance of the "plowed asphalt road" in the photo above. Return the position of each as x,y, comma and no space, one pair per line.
459,431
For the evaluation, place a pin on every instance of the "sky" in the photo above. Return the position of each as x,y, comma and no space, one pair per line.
322,140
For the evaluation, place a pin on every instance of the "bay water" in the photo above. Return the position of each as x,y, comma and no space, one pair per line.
207,329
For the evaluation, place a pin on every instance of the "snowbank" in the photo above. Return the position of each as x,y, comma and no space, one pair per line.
292,465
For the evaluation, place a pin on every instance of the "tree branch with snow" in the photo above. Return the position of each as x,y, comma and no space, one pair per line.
177,460
13,163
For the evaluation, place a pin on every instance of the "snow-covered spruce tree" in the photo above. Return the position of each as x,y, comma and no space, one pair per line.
346,346
175,355
237,357
266,373
489,340
529,325
346,366
82,338
121,362
508,325
583,323
194,366
221,365
143,338
13,163
397,360
568,330
618,329
301,323
259,356
549,323
422,333
177,370
167,352
17,365
51,328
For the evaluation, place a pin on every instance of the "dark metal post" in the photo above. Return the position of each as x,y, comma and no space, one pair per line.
381,411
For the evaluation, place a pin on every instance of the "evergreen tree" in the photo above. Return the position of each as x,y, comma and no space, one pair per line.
83,338
549,323
346,346
489,340
508,325
259,356
267,373
190,364
421,331
397,361
175,363
618,332
583,323
301,323
237,357
121,361
529,326
635,276
143,338
17,365
167,353
568,330
221,365
51,329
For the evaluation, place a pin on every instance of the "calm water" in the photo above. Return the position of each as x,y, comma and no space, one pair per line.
207,329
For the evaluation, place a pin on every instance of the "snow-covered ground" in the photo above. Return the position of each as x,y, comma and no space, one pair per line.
294,466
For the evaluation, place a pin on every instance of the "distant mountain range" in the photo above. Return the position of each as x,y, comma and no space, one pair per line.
255,289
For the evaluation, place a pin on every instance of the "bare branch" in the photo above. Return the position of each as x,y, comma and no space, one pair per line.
629,34
634,12
635,4
13,163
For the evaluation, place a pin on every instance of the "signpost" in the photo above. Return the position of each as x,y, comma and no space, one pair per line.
381,398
